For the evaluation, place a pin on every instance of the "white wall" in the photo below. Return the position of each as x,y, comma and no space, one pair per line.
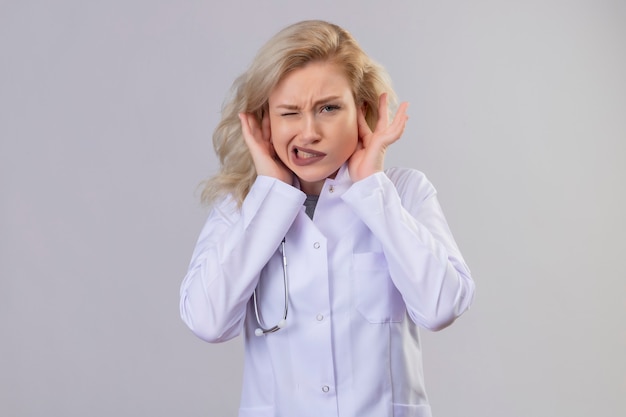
106,112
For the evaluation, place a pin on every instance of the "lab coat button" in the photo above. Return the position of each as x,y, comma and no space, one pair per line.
331,189
319,317
325,388
316,245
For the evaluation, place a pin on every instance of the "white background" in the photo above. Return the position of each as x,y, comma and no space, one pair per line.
518,116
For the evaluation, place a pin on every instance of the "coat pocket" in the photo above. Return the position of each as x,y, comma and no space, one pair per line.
377,298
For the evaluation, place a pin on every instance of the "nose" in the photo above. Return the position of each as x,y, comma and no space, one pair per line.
310,131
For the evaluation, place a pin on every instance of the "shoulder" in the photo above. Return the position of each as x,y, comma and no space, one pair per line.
410,181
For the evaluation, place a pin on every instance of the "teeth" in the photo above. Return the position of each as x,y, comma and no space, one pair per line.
305,155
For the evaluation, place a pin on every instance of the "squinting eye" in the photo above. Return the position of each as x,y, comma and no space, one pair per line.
288,114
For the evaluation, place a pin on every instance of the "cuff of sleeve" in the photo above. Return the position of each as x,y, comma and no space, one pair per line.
270,193
369,192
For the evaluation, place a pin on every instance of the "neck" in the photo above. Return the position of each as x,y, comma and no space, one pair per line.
314,187
311,188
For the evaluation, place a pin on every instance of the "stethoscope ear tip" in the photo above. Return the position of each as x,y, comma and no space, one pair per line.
282,323
258,332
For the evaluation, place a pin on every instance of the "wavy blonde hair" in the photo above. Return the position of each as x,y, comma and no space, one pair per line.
293,47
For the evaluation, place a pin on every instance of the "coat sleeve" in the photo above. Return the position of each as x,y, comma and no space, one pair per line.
232,249
401,209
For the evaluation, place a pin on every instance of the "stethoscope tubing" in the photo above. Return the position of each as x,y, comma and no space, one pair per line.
262,330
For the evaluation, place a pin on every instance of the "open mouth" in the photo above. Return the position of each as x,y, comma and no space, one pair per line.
305,155
302,156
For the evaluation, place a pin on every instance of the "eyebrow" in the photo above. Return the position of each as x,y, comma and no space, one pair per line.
315,104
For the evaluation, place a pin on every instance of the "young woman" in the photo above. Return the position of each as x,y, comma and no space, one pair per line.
327,263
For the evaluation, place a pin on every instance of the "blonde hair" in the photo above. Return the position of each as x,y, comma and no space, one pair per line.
293,47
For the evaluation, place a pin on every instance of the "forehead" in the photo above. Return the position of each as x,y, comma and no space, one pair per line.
312,81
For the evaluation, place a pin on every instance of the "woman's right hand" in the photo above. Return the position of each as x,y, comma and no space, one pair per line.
258,139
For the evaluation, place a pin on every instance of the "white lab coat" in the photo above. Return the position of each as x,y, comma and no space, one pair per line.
376,262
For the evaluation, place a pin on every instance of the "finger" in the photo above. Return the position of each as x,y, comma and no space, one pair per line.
398,125
383,112
364,128
401,117
249,128
266,134
265,128
245,127
245,122
403,108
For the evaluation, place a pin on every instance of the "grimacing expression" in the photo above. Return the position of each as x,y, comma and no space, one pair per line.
313,119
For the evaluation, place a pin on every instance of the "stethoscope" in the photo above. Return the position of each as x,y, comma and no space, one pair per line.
261,330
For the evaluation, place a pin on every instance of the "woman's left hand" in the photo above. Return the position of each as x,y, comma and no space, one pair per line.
369,156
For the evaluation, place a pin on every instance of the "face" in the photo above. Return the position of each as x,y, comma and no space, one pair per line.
313,119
